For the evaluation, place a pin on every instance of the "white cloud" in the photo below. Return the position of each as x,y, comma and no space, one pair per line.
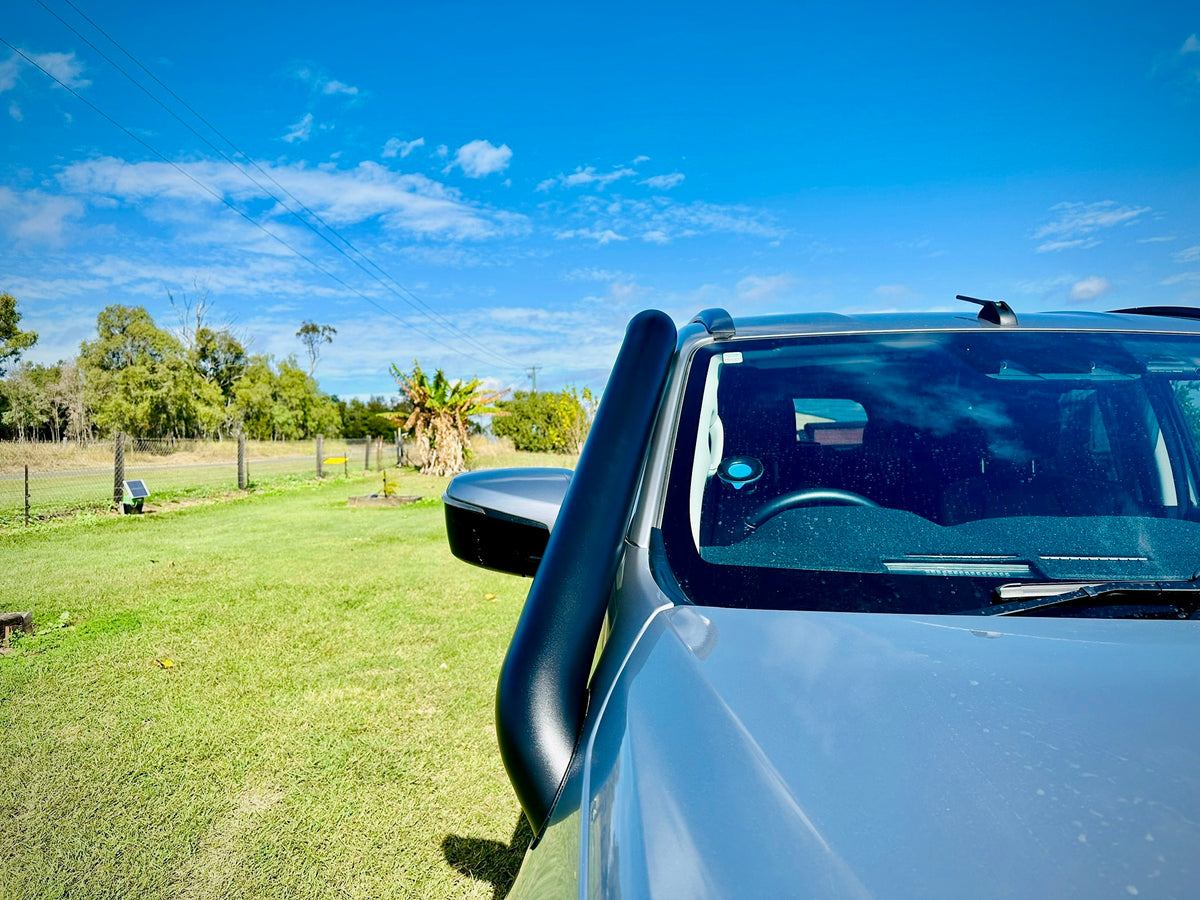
1076,221
1160,239
8,72
1078,244
594,274
36,217
396,147
764,288
1182,278
322,83
301,131
661,220
480,158
687,220
63,66
605,236
1090,288
1191,45
664,182
586,176
638,160
442,150
15,111
1190,255
407,203
338,87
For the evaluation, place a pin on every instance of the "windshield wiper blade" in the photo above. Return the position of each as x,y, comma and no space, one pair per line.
1105,593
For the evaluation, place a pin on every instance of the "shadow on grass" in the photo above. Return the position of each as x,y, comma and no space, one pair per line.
490,861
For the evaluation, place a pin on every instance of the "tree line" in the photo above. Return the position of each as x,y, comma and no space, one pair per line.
138,378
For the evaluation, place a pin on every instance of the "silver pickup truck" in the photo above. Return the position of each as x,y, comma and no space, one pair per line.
842,606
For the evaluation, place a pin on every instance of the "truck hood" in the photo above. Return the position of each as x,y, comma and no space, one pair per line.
758,753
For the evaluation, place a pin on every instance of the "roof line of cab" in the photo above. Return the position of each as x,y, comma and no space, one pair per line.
720,325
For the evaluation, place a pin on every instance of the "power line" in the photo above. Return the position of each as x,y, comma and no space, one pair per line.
415,302
218,195
248,159
395,287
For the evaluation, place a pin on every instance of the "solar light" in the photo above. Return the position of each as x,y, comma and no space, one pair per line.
136,493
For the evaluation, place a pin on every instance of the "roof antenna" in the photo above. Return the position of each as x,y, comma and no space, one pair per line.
995,311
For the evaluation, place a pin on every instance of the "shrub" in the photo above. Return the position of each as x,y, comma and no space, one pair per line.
547,422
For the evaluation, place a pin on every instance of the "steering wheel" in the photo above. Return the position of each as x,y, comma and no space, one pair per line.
817,496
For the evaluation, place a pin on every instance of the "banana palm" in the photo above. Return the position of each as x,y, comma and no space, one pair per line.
441,410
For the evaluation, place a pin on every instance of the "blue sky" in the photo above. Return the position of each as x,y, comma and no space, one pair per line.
490,188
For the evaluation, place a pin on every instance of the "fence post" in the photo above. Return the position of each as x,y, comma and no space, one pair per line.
320,455
379,454
242,479
367,457
26,495
118,469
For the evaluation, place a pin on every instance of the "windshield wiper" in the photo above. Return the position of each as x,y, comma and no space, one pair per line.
1183,595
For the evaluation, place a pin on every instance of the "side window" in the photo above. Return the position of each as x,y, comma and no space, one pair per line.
1188,395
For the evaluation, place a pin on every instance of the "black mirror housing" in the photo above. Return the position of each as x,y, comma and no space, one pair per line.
501,518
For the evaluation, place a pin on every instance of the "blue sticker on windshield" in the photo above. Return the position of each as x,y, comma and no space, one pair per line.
739,471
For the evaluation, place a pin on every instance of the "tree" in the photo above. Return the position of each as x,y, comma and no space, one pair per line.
301,410
441,411
360,420
136,376
29,408
312,336
547,422
68,394
13,341
254,398
220,360
191,311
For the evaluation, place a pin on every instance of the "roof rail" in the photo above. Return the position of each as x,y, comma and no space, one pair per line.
716,322
1178,312
995,311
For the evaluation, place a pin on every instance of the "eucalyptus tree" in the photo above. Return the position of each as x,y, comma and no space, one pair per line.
312,336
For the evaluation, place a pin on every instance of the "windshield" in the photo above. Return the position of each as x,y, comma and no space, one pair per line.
920,472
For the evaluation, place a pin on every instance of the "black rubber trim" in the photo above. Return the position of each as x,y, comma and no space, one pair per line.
542,695
1176,312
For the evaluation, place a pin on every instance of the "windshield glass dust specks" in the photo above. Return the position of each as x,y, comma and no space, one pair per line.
908,472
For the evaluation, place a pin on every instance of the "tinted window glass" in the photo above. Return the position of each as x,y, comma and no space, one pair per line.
918,471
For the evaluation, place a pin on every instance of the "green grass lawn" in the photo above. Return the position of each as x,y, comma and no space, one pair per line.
322,726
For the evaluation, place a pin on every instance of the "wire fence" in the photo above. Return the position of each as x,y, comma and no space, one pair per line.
40,480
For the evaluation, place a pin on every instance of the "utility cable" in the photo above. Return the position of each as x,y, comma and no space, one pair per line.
401,291
220,196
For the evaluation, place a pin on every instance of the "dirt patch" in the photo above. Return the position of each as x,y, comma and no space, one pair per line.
209,871
380,500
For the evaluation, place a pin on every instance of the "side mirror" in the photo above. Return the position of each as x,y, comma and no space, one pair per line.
501,518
